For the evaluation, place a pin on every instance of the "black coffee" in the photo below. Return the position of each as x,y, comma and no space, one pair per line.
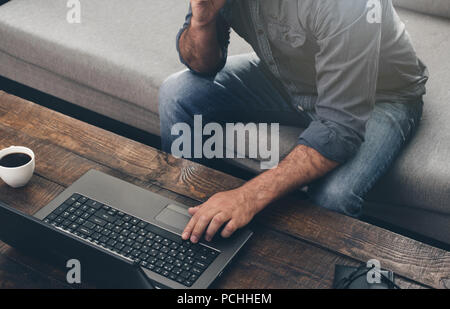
15,160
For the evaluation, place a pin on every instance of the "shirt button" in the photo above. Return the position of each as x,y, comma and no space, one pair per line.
300,108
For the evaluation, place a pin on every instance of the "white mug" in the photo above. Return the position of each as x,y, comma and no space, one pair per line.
17,177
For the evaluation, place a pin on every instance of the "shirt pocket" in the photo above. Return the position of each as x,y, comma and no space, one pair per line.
282,33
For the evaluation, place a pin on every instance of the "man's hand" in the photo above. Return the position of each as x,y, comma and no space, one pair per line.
205,11
238,207
230,207
198,44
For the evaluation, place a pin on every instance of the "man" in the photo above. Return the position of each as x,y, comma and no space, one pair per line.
345,70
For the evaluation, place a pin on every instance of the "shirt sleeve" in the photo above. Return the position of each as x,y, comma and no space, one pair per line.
223,37
347,71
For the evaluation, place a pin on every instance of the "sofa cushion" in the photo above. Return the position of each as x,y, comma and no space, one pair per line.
421,177
433,7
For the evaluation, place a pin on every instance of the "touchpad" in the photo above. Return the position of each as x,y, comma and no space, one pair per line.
174,216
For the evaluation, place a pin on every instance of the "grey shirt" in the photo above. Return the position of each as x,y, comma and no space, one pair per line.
335,58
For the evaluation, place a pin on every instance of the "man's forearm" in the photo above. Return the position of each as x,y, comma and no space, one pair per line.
299,168
199,47
236,208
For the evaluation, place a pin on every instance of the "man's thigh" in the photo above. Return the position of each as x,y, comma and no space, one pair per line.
388,130
239,92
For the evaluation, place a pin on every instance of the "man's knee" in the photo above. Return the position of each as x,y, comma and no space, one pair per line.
337,196
170,93
178,93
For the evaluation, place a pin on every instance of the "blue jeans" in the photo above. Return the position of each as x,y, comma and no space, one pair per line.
242,93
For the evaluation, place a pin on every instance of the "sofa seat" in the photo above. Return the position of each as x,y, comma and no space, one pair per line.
116,59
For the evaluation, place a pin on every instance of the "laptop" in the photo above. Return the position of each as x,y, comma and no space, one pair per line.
127,225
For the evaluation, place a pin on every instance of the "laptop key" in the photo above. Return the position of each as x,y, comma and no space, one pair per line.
168,267
97,221
159,263
193,278
177,270
105,207
59,220
82,199
89,225
84,230
199,264
119,246
72,199
105,216
142,224
164,273
111,242
127,249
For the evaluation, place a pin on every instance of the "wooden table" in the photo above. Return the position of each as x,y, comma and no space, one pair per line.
295,245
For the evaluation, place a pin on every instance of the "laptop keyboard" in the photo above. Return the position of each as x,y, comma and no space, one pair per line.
151,247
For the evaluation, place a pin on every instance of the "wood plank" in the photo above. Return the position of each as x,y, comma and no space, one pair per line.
31,198
191,179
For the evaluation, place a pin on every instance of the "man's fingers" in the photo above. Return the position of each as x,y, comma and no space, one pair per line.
200,226
229,229
188,229
193,210
215,225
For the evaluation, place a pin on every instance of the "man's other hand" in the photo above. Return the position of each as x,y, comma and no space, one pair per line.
205,11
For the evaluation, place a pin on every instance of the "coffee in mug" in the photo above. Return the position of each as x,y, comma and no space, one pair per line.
16,166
